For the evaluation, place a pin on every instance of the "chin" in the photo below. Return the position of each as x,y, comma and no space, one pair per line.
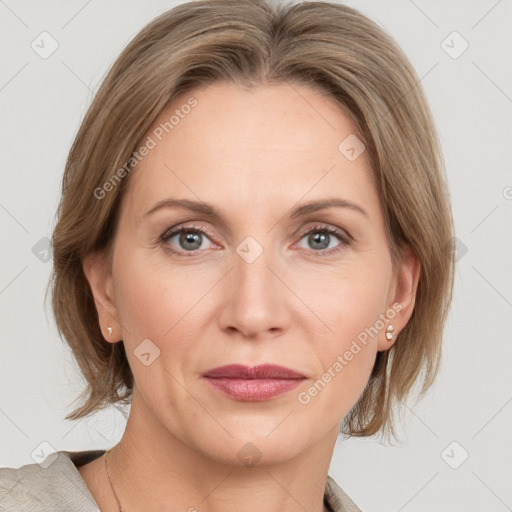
257,447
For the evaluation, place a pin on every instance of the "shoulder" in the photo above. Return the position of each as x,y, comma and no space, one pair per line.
54,484
337,499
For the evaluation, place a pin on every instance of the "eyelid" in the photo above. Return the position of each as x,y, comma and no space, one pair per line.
327,227
173,230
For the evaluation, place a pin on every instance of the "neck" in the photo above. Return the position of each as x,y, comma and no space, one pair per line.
150,465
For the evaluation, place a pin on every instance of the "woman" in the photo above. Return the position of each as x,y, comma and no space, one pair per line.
254,248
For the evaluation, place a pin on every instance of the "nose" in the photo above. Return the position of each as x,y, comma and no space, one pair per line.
256,296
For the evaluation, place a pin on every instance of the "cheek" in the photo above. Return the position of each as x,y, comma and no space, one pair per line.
349,300
351,305
346,363
152,296
154,302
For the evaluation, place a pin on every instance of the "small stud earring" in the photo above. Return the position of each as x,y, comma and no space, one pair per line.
389,332
109,329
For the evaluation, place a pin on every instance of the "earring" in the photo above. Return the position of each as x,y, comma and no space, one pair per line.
389,332
109,329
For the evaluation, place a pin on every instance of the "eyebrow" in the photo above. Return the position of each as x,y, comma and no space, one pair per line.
300,211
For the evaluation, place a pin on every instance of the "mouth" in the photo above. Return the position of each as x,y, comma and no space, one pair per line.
253,384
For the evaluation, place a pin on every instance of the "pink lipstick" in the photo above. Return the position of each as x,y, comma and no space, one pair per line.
253,384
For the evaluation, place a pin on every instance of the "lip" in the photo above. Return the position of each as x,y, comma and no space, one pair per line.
261,371
253,384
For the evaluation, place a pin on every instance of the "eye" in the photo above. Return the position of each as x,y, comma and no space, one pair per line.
189,239
322,237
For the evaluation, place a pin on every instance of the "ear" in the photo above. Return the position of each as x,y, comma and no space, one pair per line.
402,296
100,280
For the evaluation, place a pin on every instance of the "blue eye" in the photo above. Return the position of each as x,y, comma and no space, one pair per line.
191,239
322,236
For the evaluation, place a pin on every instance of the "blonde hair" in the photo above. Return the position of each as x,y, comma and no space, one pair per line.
327,46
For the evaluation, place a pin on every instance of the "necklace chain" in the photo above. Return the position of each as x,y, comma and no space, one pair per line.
121,509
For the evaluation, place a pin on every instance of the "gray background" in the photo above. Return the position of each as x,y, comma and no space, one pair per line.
43,101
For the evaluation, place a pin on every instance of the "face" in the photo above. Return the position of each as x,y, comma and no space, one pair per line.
250,282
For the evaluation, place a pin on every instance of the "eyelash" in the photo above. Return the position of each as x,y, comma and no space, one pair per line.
343,237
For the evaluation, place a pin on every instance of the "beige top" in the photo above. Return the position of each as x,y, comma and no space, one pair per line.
56,485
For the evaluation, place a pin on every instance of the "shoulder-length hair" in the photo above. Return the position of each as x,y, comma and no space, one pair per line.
330,47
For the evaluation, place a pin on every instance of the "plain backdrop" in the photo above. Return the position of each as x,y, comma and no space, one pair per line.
455,448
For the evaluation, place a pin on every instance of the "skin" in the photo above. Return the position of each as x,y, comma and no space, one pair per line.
254,156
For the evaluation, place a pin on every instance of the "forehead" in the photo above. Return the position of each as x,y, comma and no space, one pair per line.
235,146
